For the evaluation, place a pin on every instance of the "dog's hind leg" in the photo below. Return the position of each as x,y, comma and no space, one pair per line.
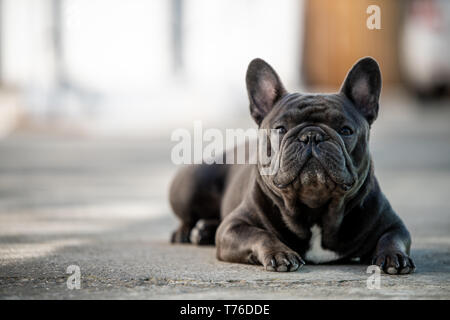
195,197
204,232
181,234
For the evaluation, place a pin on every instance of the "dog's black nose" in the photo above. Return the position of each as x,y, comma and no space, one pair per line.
312,135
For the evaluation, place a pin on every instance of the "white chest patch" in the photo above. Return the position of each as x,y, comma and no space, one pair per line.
316,253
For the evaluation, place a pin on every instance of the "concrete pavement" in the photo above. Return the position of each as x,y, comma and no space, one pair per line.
101,204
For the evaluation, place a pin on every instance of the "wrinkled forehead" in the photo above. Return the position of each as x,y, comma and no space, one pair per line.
315,108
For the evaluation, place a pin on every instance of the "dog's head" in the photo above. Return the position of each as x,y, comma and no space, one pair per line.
323,138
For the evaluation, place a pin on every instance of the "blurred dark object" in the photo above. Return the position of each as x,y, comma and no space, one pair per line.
336,35
425,48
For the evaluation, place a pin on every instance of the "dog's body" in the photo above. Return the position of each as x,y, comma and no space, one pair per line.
323,204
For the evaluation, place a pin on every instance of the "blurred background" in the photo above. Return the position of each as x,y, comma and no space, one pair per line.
90,92
111,67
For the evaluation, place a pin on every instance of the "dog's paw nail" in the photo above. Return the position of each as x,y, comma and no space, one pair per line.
392,270
405,270
273,263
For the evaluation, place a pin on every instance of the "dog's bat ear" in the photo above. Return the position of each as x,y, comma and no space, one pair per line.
264,88
363,86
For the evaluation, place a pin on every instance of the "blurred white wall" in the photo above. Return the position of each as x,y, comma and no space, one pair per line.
116,72
116,45
26,42
222,37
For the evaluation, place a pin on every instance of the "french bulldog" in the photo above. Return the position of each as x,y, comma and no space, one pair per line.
323,205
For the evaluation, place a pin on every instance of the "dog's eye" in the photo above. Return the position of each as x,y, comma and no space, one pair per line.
346,131
281,130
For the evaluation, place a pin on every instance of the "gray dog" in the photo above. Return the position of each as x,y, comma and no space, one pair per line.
324,203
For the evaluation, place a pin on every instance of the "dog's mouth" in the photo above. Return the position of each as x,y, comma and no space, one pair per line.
313,173
315,166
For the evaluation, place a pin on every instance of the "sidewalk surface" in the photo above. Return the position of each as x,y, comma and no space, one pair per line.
101,204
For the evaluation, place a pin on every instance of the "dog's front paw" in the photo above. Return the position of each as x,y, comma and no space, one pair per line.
283,261
394,262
